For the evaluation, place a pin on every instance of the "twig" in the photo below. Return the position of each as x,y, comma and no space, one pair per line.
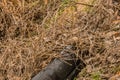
83,4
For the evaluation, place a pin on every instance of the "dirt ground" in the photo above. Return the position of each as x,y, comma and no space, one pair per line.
33,31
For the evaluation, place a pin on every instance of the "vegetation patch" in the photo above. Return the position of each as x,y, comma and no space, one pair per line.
32,32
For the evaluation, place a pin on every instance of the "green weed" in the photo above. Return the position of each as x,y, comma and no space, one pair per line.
96,76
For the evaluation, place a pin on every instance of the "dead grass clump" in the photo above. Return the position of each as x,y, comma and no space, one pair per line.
32,32
96,25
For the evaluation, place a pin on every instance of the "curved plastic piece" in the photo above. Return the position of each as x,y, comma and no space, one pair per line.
63,68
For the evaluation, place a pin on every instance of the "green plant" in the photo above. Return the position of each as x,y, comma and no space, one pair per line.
96,76
75,78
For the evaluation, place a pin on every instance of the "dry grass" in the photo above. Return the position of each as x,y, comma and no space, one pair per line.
32,32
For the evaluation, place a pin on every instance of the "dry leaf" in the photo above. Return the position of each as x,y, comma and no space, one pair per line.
116,35
116,21
45,2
